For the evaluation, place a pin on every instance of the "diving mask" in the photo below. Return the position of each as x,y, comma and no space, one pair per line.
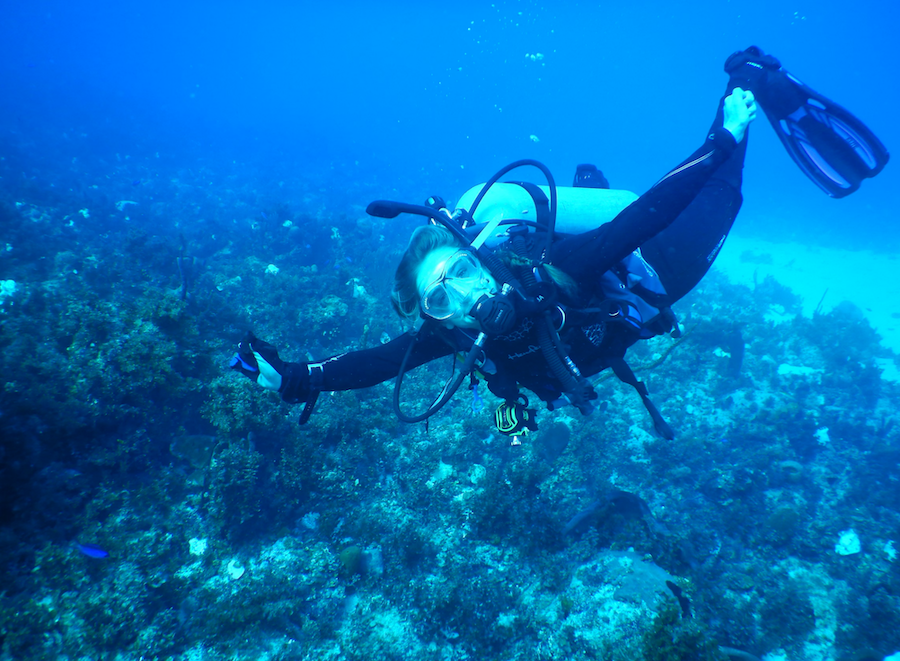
460,281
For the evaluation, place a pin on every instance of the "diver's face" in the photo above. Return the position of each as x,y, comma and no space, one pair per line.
450,281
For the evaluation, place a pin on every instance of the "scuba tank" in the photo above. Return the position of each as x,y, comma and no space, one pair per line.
578,209
633,283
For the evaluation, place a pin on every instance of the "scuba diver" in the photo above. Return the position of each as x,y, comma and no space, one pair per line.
540,287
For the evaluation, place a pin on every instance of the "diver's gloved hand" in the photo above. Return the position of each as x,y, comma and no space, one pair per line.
259,361
740,109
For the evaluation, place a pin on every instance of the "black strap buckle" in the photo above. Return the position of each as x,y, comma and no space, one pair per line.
316,380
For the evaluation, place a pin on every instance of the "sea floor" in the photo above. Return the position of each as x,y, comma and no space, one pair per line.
825,278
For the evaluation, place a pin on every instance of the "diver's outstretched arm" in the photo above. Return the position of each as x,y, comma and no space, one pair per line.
259,361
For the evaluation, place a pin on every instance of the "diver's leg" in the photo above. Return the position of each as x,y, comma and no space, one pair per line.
683,252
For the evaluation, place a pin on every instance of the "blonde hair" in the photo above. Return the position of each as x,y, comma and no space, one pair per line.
563,281
404,294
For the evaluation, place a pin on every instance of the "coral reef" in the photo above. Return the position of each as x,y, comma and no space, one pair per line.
221,529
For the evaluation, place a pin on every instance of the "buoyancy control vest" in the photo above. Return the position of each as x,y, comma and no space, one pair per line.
633,283
496,212
632,292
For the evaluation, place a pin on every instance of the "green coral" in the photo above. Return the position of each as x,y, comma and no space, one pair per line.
292,588
783,524
26,627
111,616
235,407
236,487
673,638
787,615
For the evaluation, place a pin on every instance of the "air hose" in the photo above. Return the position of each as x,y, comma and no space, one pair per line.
551,183
575,386
448,392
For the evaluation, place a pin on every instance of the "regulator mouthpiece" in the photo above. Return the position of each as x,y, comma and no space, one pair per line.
496,315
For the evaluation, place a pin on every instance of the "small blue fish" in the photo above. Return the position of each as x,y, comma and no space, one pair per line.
136,182
264,216
92,551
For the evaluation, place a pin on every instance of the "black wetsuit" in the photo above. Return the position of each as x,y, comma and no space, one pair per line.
680,225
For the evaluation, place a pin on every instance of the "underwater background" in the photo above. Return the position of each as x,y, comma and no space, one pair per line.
173,175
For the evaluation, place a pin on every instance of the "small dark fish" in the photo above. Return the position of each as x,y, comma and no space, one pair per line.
136,182
682,600
264,216
92,551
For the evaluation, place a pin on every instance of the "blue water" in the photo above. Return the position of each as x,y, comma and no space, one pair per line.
173,174
402,100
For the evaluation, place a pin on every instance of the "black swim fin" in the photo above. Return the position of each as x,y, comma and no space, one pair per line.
832,147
